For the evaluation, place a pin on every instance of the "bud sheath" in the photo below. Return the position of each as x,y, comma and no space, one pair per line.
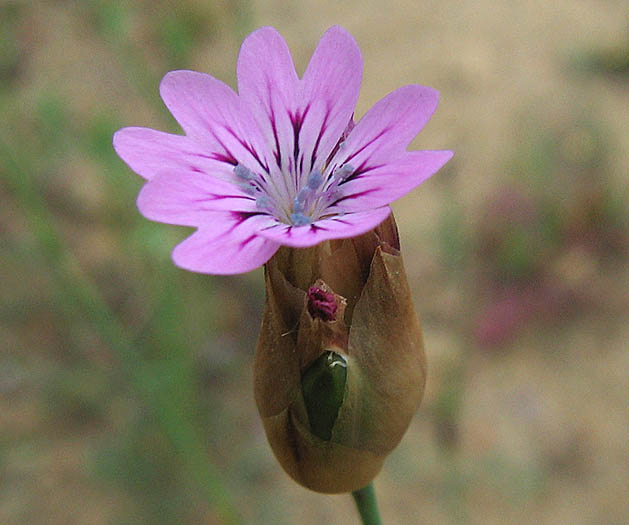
339,368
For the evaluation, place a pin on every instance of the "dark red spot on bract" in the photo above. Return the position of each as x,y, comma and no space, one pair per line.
321,304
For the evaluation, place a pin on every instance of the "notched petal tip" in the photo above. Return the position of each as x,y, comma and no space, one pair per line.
334,73
172,76
264,32
144,200
125,138
268,44
147,151
118,136
186,92
119,141
173,81
336,28
343,40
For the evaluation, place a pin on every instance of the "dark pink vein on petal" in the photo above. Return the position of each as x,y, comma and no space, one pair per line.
360,171
365,146
354,195
250,149
324,125
217,197
244,243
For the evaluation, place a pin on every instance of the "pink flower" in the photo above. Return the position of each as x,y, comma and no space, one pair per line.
281,162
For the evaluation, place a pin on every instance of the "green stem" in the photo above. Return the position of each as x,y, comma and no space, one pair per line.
365,499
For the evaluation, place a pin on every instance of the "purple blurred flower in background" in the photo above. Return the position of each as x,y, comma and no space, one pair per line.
281,162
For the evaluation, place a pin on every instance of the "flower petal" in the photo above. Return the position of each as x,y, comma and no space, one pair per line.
268,85
388,127
338,227
210,113
331,83
185,198
382,185
228,244
148,152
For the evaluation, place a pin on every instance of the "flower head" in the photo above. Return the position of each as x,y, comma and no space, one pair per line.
281,162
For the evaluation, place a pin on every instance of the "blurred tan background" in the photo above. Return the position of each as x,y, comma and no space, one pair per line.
125,384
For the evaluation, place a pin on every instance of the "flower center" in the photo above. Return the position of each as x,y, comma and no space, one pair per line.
289,201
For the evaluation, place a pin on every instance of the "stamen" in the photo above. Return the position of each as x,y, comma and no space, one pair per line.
244,173
247,188
334,194
298,206
298,219
303,194
315,179
263,202
343,172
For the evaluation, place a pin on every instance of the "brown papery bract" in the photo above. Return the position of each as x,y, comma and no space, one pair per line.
376,330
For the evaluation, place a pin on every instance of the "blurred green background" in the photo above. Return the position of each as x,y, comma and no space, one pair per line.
125,383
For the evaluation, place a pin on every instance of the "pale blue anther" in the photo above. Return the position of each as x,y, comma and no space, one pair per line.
315,179
263,202
299,219
247,188
343,172
334,194
298,206
303,194
244,173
